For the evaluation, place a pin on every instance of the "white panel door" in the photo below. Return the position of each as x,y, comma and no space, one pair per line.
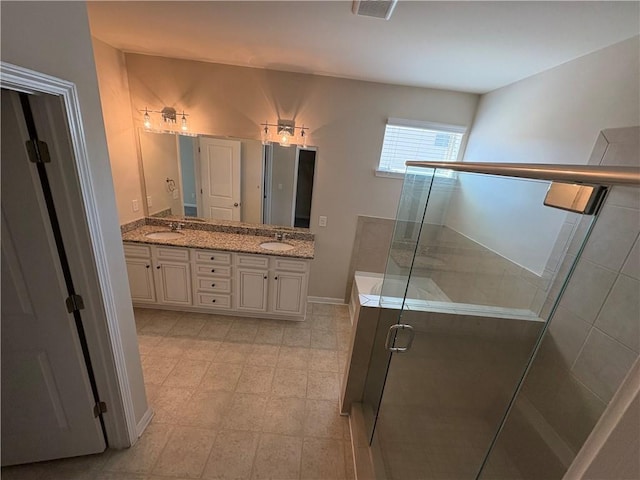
220,178
47,404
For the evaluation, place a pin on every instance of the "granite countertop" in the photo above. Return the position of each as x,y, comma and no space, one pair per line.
211,240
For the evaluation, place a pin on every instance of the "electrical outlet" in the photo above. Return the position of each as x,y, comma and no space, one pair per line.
134,205
322,221
176,194
149,202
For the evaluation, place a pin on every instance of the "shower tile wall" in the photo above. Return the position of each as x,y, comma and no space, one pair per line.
594,336
370,247
468,272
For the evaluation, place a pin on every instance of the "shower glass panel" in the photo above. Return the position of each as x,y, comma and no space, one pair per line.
475,267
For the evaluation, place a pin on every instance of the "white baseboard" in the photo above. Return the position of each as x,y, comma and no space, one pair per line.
144,421
335,301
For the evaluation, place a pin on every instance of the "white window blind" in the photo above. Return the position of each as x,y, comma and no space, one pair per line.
406,140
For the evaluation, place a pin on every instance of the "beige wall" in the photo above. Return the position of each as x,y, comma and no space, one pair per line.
555,116
346,120
118,124
54,38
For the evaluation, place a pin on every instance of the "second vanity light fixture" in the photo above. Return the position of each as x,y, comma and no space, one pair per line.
285,133
169,119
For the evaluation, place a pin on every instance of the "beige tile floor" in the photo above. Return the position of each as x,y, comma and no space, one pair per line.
234,398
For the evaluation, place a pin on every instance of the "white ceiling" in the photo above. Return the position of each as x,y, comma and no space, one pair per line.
468,46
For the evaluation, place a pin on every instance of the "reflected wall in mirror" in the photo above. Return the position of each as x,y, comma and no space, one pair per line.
228,179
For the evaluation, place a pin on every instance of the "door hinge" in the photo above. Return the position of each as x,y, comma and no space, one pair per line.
75,303
99,408
38,151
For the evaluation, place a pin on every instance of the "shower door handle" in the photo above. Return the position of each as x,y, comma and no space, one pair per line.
391,337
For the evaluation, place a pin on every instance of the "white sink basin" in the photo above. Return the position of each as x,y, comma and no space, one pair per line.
164,235
276,246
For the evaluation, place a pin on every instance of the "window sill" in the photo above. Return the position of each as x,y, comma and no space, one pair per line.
387,174
442,179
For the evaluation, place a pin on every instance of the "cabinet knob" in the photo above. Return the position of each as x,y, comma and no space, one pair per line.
213,270
213,301
265,277
158,267
213,284
148,266
276,277
213,258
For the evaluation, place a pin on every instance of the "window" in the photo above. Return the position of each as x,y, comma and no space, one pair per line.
410,140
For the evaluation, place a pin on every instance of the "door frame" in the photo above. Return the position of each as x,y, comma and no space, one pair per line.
105,341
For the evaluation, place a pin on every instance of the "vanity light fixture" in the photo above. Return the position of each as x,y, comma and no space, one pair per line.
169,119
286,133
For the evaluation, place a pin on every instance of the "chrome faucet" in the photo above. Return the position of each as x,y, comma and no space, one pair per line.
280,236
176,226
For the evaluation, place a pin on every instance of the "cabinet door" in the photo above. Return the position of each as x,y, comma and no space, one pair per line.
289,293
252,289
173,283
141,280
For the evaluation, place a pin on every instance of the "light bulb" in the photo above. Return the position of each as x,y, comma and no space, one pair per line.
147,119
264,135
184,123
284,138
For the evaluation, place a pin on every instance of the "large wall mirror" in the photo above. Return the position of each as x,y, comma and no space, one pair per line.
227,179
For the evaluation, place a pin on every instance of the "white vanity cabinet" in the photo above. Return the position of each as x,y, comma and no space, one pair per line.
212,279
172,275
252,281
191,279
273,285
289,286
158,274
140,273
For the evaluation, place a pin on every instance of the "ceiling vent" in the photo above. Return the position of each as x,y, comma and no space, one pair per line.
374,8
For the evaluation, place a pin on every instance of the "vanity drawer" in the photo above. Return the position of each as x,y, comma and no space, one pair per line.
290,265
211,257
214,285
139,251
252,261
212,271
210,300
170,253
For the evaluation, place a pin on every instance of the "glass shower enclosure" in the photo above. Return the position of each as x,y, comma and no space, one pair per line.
475,269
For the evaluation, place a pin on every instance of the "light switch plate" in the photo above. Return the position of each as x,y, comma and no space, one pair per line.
322,221
134,205
176,194
149,202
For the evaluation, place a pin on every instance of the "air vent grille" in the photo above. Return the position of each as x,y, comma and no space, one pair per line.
374,8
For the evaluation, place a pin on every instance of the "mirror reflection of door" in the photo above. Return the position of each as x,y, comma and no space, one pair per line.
188,147
220,178
288,185
304,187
